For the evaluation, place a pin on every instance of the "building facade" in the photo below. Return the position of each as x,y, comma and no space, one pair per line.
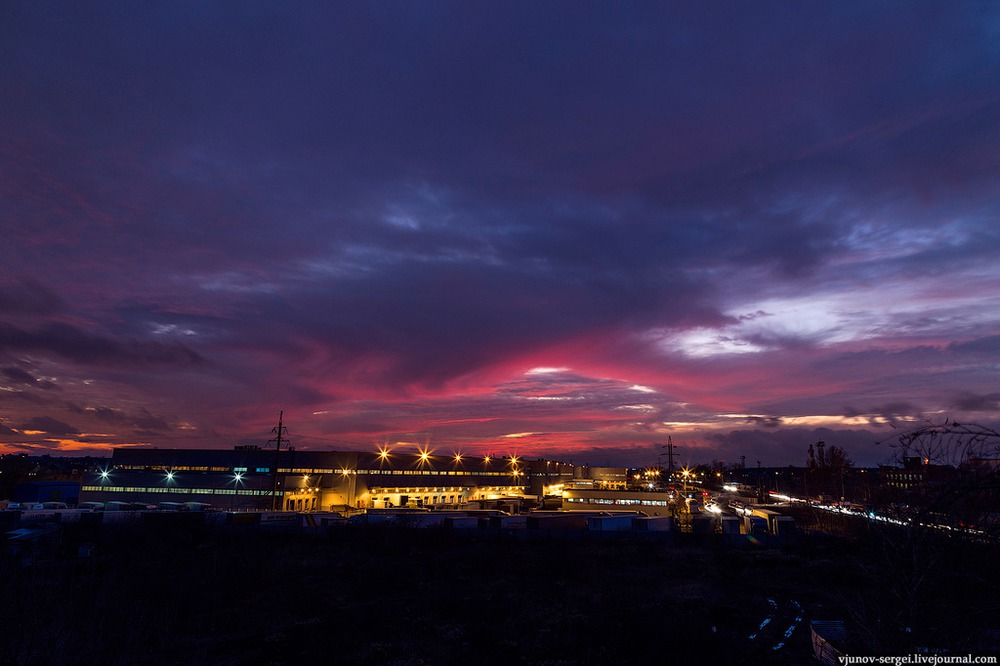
255,478
651,503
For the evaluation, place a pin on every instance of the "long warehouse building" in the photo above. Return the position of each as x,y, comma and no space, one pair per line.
256,478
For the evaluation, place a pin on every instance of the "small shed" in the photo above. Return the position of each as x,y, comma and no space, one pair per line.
28,545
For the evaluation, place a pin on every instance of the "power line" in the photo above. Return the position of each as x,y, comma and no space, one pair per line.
278,431
669,446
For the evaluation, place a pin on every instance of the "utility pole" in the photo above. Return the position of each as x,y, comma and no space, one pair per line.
277,431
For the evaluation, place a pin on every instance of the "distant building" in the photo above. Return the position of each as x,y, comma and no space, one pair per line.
602,478
915,473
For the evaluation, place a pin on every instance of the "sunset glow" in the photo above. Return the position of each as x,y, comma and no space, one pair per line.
737,226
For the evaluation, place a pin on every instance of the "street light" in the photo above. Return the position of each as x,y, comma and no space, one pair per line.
237,480
350,476
685,473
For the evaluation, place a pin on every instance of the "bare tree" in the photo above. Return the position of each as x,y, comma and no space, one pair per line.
837,459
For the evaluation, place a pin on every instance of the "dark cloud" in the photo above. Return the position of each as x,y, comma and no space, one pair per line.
49,426
630,456
25,396
989,345
791,445
20,376
892,413
141,421
765,421
972,402
26,296
895,409
82,347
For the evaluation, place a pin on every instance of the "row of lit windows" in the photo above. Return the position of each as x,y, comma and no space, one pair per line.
177,468
427,499
908,477
345,470
182,491
381,470
456,489
418,472
601,500
301,470
203,468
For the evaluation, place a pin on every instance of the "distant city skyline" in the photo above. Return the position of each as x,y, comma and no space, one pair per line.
564,230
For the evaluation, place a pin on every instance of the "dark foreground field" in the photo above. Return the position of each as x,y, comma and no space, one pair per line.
408,597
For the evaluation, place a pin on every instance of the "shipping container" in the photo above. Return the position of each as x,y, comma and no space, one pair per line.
610,523
557,521
653,523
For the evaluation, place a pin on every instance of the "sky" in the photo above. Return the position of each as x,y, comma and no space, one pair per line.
569,229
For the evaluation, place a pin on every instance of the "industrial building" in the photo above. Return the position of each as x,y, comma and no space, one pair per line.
257,478
650,503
